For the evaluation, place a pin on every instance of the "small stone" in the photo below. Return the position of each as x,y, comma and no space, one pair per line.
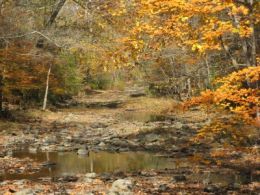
69,138
19,182
178,125
32,150
61,149
211,189
91,175
151,137
9,153
88,180
50,139
163,188
67,144
105,176
83,151
101,144
174,148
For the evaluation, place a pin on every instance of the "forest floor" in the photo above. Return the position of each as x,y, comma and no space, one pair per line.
122,122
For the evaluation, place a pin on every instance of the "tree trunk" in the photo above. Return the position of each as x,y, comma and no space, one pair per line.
208,71
46,89
243,42
253,39
55,13
1,99
227,50
1,91
189,88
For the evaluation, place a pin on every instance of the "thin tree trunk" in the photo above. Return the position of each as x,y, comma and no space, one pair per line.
1,99
208,71
227,50
55,13
243,41
47,88
1,90
48,24
189,88
253,39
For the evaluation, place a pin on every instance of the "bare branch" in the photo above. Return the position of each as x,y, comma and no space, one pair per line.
31,33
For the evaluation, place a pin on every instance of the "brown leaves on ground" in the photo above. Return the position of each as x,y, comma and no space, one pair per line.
14,165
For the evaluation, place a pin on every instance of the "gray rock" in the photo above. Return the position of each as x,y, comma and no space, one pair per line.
50,140
122,187
77,135
87,180
123,149
211,189
61,148
178,125
101,144
82,151
46,148
9,153
151,137
20,182
163,188
32,150
98,125
4,183
80,126
83,192
119,142
67,144
174,148
91,175
69,138
132,143
25,192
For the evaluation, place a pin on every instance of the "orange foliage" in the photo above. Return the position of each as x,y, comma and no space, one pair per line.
21,69
238,92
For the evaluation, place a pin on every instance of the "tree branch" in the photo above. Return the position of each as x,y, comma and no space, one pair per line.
31,33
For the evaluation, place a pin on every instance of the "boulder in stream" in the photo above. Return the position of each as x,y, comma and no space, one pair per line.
121,186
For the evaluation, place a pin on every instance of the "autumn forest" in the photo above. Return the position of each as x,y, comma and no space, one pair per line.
129,97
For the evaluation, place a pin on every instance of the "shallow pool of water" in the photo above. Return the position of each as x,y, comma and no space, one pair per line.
69,163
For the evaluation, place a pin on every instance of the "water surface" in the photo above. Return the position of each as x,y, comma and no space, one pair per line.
69,163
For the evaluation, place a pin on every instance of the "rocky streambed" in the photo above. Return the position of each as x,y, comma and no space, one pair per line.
131,148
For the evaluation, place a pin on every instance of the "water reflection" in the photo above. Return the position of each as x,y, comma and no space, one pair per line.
70,163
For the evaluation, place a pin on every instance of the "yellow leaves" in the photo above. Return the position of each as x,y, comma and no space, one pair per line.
102,25
197,47
184,19
196,24
240,10
238,93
